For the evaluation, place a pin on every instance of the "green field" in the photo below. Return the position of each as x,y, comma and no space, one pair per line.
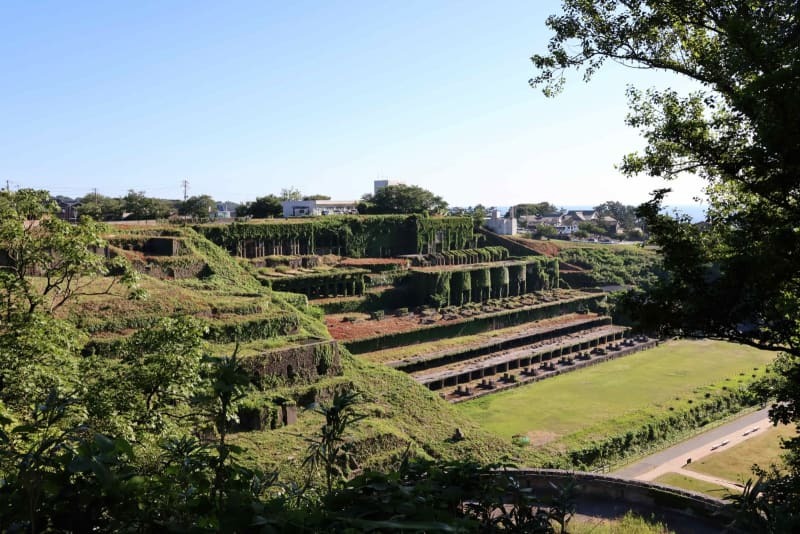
630,523
735,463
620,392
692,484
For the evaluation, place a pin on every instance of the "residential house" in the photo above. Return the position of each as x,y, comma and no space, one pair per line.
569,222
68,208
316,208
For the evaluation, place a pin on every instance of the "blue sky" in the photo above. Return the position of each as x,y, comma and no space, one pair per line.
245,98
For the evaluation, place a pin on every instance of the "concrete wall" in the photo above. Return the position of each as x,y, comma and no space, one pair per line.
304,363
704,514
502,226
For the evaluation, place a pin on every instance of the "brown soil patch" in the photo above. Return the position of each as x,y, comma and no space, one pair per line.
541,437
546,248
358,262
365,327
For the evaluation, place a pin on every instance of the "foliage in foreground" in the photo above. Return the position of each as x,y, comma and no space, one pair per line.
735,277
60,476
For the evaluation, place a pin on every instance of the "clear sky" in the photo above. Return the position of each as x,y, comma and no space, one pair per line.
245,98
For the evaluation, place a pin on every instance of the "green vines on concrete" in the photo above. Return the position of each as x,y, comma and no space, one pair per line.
470,255
460,287
440,234
479,283
541,274
499,282
517,279
251,328
376,236
328,284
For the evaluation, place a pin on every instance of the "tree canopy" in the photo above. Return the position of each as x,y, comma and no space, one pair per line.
290,193
403,199
261,208
537,209
100,208
35,242
140,207
624,214
737,277
198,207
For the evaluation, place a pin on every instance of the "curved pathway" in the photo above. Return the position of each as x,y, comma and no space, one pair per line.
696,448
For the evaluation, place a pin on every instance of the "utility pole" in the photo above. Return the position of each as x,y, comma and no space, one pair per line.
8,186
95,194
185,185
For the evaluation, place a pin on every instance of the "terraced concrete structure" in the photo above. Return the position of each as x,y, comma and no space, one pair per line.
541,350
530,364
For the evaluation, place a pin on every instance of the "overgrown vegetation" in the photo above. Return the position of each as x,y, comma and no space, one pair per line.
611,265
735,277
146,435
376,236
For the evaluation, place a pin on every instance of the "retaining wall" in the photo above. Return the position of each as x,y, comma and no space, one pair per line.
706,514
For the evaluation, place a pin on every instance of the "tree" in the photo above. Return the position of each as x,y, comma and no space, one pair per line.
37,245
100,208
163,365
590,227
263,207
290,193
199,207
625,215
544,230
479,214
404,199
316,197
737,278
141,207
538,209
46,263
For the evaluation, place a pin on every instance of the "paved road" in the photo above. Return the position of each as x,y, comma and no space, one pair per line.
673,458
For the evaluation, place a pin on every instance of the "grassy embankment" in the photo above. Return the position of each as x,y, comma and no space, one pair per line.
630,523
689,483
572,411
401,414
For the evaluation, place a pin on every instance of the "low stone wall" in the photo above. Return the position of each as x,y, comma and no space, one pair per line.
706,514
304,363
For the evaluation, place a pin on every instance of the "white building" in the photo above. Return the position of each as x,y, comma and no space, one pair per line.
316,208
500,225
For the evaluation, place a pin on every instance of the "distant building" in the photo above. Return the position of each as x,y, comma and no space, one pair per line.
380,184
68,209
569,222
501,225
225,210
317,208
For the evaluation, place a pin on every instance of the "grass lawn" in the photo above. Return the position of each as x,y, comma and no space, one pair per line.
617,393
630,523
734,464
692,484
